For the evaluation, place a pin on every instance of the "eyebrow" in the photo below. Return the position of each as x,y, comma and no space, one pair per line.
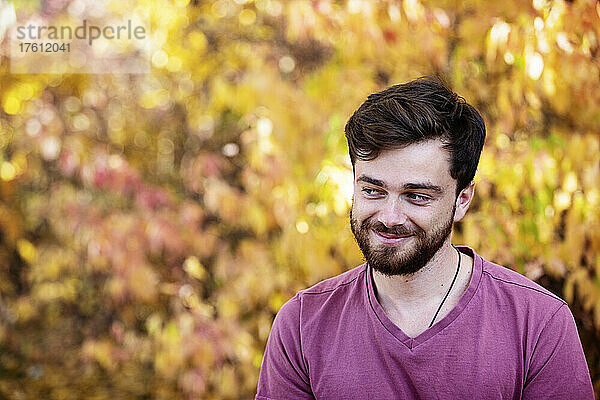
407,186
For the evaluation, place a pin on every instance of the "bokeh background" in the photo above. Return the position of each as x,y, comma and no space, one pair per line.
152,225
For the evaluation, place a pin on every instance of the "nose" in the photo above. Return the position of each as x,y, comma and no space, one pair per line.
392,213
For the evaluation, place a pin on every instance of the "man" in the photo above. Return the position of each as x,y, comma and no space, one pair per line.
421,319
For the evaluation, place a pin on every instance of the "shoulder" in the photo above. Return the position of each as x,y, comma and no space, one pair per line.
509,280
333,284
507,290
319,298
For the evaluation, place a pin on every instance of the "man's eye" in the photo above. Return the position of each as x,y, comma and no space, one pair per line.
418,198
371,192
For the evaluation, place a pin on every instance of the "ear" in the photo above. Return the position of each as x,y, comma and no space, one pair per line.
463,201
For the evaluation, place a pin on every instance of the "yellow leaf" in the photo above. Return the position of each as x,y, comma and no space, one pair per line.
194,268
26,250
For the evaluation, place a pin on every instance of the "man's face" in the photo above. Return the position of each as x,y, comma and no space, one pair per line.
403,207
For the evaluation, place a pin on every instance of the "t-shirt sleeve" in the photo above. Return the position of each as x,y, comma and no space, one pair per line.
558,369
283,374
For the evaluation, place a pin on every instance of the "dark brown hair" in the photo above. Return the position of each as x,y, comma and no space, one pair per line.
413,112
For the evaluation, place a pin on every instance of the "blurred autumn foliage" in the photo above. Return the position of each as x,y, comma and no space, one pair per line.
152,225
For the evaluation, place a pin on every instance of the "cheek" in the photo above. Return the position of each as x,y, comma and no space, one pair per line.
359,205
427,218
440,217
358,213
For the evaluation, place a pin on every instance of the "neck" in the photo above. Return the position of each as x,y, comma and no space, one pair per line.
428,284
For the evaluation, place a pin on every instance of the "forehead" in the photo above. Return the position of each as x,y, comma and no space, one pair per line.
424,161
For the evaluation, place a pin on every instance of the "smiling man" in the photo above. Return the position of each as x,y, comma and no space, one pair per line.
421,319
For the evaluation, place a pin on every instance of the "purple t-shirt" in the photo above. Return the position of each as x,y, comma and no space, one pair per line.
507,338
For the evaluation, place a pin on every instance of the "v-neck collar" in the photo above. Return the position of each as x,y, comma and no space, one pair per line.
441,324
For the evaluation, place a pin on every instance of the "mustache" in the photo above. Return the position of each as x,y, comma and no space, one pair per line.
398,230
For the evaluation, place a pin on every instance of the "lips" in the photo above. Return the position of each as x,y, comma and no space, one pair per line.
391,235
390,238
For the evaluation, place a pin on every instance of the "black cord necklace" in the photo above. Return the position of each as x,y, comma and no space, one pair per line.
449,289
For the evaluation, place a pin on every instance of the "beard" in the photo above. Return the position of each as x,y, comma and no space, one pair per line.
392,261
